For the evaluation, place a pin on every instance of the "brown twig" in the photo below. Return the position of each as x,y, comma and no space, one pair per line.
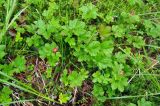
74,97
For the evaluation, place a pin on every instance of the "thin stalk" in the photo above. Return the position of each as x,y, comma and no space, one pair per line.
153,78
24,87
136,96
20,101
29,91
158,12
10,8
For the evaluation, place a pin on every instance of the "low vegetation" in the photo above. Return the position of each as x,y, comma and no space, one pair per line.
80,52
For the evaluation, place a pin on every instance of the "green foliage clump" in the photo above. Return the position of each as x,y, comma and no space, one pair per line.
5,95
80,52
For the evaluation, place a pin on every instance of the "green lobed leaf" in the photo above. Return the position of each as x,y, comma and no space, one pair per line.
5,95
89,11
